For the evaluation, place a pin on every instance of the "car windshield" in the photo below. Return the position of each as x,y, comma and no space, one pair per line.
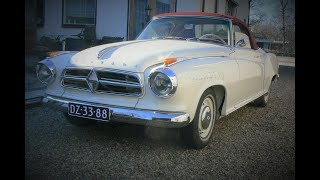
200,29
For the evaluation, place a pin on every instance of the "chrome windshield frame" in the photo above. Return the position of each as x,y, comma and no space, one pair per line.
199,16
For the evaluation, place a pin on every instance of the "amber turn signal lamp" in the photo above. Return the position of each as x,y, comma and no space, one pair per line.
168,61
54,53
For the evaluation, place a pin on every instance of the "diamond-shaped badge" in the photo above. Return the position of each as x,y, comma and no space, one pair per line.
93,81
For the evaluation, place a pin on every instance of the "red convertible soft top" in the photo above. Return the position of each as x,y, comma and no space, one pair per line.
234,20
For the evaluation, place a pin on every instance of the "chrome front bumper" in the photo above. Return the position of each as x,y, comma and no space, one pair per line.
127,115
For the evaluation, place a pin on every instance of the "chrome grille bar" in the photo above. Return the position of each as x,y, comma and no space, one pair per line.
77,72
117,83
107,81
75,78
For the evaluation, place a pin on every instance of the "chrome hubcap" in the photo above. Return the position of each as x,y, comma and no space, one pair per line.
206,118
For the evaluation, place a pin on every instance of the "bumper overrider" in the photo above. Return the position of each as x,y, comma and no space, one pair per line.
127,115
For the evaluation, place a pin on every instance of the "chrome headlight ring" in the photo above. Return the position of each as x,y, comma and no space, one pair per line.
163,82
46,71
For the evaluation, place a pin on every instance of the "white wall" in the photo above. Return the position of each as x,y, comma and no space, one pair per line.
209,6
53,21
222,6
112,18
189,5
243,10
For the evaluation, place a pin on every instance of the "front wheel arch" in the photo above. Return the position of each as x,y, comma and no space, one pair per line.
274,78
221,96
192,133
220,92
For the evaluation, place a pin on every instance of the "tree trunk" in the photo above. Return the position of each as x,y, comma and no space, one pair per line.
283,31
283,4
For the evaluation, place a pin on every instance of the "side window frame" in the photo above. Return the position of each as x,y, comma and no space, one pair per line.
243,30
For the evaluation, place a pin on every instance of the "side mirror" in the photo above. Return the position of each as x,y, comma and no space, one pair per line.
241,43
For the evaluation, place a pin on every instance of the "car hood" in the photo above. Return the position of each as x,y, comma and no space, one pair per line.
138,55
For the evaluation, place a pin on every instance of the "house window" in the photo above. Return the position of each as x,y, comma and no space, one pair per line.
79,12
139,13
165,6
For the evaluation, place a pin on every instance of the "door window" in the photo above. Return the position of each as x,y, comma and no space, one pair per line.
241,37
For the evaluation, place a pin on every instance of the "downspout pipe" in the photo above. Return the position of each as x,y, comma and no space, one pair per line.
203,4
249,12
216,6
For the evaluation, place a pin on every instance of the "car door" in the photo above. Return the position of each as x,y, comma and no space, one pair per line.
251,67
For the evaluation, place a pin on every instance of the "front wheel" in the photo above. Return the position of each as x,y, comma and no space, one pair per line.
199,132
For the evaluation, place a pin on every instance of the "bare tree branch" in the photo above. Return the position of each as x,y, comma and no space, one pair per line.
258,16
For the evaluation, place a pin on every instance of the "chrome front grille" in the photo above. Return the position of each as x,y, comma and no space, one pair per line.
102,81
77,72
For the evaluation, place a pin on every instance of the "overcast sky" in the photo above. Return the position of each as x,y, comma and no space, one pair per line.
272,8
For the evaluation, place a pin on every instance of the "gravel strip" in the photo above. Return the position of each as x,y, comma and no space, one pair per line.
250,143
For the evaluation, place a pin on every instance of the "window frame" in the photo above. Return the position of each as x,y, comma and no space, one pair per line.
131,14
245,31
77,25
229,25
172,4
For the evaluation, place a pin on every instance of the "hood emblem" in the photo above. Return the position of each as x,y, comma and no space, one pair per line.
92,81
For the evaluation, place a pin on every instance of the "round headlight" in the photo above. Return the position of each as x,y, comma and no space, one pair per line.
45,71
163,82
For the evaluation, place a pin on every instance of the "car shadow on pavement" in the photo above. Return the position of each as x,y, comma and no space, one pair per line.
33,105
135,134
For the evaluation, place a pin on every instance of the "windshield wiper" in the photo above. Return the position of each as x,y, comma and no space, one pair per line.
204,40
192,39
172,37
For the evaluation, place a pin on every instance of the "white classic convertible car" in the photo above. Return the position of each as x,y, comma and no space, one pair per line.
185,70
